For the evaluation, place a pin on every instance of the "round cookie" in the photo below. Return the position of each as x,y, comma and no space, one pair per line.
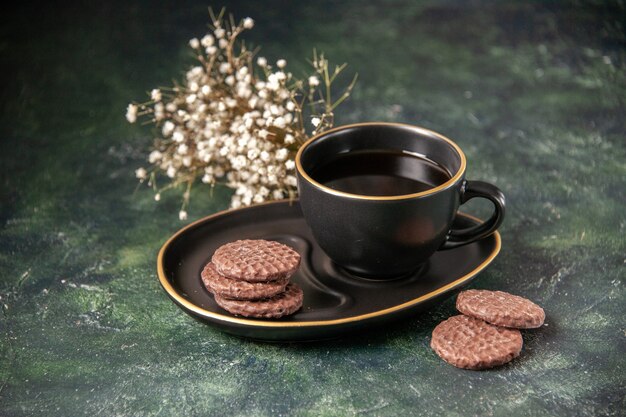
239,290
256,260
280,305
470,343
500,308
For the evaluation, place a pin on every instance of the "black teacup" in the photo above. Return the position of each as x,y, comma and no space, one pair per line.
380,198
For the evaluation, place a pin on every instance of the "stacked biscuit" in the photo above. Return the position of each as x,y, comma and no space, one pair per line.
251,278
486,334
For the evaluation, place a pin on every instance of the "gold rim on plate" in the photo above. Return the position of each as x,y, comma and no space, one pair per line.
277,324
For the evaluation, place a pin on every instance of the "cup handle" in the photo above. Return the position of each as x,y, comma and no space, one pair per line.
469,190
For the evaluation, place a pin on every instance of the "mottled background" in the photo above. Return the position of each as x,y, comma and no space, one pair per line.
533,92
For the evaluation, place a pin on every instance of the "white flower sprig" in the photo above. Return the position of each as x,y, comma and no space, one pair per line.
235,120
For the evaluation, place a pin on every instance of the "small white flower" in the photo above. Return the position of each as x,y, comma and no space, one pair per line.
171,107
193,86
242,72
157,197
194,43
191,98
289,139
141,173
253,102
316,121
248,23
219,33
279,122
211,50
276,110
178,136
263,133
314,81
154,156
205,90
159,111
261,61
282,154
291,106
272,84
207,178
277,194
239,162
207,41
244,92
194,73
253,154
263,191
291,180
223,43
230,80
182,149
290,165
182,215
258,198
224,67
187,160
235,202
168,128
265,156
131,113
155,94
281,63
171,172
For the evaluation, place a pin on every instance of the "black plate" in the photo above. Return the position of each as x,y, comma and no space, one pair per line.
335,302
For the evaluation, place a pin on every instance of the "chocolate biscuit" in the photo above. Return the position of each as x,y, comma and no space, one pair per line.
256,260
500,308
470,343
280,305
237,289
